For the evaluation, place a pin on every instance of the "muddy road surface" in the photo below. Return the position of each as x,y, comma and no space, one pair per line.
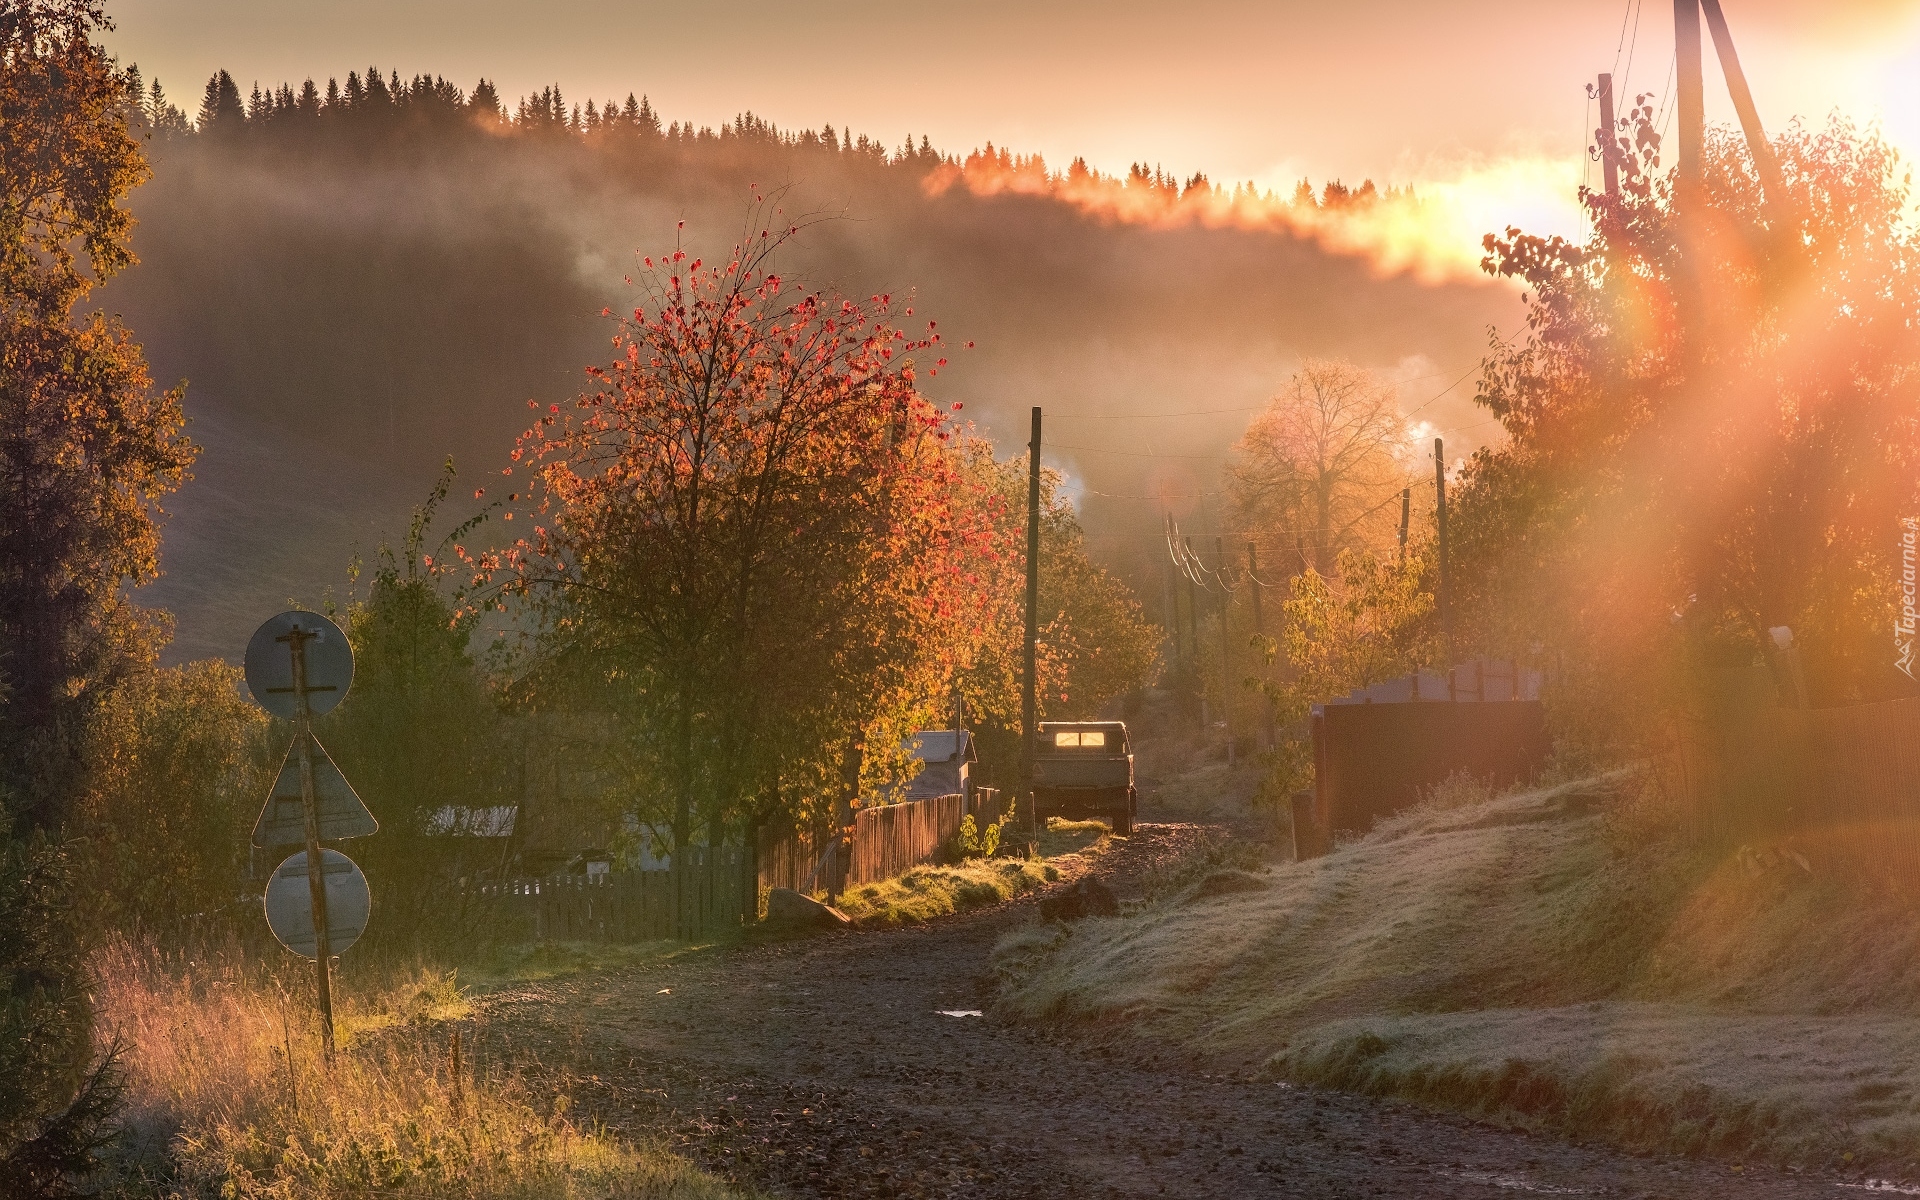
825,1067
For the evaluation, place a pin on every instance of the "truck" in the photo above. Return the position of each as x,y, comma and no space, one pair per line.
1084,769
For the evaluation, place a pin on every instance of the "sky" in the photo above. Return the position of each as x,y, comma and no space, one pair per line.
1482,105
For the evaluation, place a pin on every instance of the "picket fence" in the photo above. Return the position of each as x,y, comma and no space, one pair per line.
633,906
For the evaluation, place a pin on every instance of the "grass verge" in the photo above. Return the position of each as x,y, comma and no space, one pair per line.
928,892
228,1095
1542,959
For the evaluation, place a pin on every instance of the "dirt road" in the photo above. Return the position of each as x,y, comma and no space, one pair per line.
825,1068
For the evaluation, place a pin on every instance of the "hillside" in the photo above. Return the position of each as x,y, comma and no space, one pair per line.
352,301
1536,960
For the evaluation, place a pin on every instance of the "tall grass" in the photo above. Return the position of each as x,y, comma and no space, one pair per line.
229,1094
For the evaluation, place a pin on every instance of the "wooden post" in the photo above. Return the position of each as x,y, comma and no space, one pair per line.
1764,164
1406,512
1608,140
1692,97
1267,737
1193,634
1173,611
1226,648
1030,689
1442,600
296,640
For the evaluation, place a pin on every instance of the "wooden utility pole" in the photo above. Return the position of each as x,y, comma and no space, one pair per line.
1442,600
1260,627
1608,138
1193,628
1030,690
1764,163
1692,96
1406,513
296,640
1226,646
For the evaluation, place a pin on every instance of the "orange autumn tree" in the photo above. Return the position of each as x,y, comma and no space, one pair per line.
742,541
1713,429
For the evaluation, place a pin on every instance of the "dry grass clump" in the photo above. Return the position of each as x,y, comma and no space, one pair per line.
928,892
1535,957
229,1095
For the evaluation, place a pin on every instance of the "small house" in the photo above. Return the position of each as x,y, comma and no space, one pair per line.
945,758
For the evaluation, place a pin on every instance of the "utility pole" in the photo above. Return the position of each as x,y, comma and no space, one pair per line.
1173,611
1406,513
1443,601
1030,693
1692,98
296,640
1764,163
1226,647
1609,140
1260,627
1193,630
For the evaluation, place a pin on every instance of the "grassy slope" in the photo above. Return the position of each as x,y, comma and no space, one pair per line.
1514,959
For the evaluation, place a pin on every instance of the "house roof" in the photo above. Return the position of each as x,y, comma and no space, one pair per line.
938,745
458,820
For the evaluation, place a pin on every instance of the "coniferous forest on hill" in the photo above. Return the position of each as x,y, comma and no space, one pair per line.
360,279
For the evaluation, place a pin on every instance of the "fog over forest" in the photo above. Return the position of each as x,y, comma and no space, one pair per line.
353,301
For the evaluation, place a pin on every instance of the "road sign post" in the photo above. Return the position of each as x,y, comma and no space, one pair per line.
296,640
310,678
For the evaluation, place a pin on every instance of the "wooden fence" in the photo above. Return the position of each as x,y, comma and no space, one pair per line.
1764,771
633,906
893,838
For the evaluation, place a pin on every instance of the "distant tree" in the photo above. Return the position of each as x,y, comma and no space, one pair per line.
308,103
485,101
1323,461
378,98
356,92
220,105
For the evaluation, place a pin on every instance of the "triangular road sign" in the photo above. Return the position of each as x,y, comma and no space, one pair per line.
282,822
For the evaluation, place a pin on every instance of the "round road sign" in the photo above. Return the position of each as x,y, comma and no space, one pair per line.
289,903
270,663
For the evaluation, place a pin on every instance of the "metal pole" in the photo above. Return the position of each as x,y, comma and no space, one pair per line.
1030,692
1442,601
1608,139
296,640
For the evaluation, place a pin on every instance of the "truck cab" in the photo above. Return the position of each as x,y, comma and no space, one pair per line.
1082,770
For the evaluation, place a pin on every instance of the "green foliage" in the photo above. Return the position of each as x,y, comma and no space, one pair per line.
1373,621
971,841
1095,642
57,1104
423,742
178,769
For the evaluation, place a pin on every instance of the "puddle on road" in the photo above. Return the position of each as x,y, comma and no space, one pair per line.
1509,1183
958,1012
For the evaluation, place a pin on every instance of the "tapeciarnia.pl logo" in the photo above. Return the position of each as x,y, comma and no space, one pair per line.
1903,625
